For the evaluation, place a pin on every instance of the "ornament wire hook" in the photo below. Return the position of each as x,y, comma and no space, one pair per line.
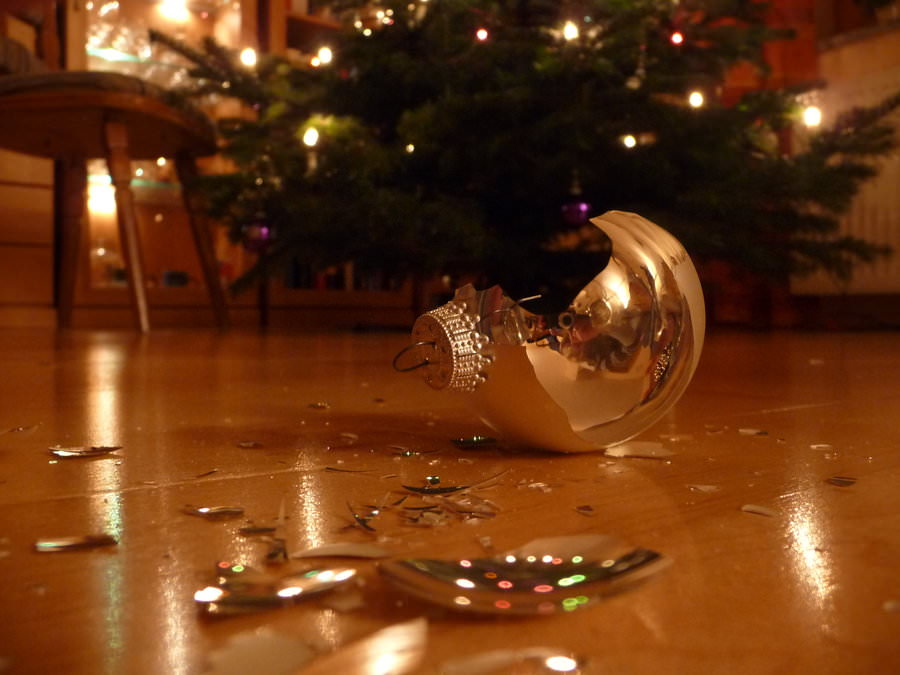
405,350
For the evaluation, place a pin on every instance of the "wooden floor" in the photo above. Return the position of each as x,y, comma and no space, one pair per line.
813,588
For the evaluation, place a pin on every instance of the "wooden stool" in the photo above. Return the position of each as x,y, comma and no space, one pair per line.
74,116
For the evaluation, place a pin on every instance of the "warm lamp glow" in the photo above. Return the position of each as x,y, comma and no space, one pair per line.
629,141
311,137
410,148
325,55
696,99
570,31
176,10
481,34
248,57
812,116
677,38
101,199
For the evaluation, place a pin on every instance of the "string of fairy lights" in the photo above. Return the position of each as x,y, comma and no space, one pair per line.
113,44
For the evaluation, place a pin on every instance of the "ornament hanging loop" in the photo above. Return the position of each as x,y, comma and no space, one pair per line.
405,369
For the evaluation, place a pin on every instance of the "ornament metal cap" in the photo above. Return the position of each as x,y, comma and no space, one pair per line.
451,348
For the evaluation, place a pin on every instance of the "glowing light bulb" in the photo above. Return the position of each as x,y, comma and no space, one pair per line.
677,38
367,32
160,161
315,62
629,141
176,10
570,31
325,54
410,148
561,664
138,172
208,594
481,34
311,137
248,57
696,99
465,583
812,116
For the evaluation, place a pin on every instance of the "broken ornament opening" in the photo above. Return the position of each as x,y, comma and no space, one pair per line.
599,373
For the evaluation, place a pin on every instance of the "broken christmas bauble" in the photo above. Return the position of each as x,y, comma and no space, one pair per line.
595,375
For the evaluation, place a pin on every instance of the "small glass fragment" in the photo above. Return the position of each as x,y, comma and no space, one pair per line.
474,442
249,445
261,650
820,446
349,437
362,521
639,449
432,480
206,473
57,544
841,481
83,451
435,490
254,530
541,577
214,512
696,487
395,650
748,431
339,470
759,510
240,589
319,405
586,510
529,659
343,550
19,430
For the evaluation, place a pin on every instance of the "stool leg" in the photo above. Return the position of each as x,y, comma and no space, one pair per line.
74,183
119,162
187,171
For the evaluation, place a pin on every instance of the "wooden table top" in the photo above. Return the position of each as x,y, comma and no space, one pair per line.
812,588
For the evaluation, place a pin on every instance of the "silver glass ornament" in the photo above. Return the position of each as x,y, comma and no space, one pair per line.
607,368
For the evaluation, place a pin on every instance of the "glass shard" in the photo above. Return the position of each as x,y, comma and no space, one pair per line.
397,650
249,445
841,481
240,589
260,651
697,487
747,431
640,449
214,512
759,510
528,660
54,545
83,451
542,577
474,442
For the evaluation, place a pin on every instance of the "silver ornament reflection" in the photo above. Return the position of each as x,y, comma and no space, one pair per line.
605,370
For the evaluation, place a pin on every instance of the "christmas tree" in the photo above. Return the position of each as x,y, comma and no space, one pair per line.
470,136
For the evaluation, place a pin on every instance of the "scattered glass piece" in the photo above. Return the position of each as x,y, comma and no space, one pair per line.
759,510
343,550
339,470
206,473
697,487
57,544
254,530
214,512
83,451
262,651
239,589
249,445
436,490
841,481
677,438
363,521
397,649
639,449
432,480
319,405
747,431
19,430
349,437
586,510
530,659
474,442
820,446
542,577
